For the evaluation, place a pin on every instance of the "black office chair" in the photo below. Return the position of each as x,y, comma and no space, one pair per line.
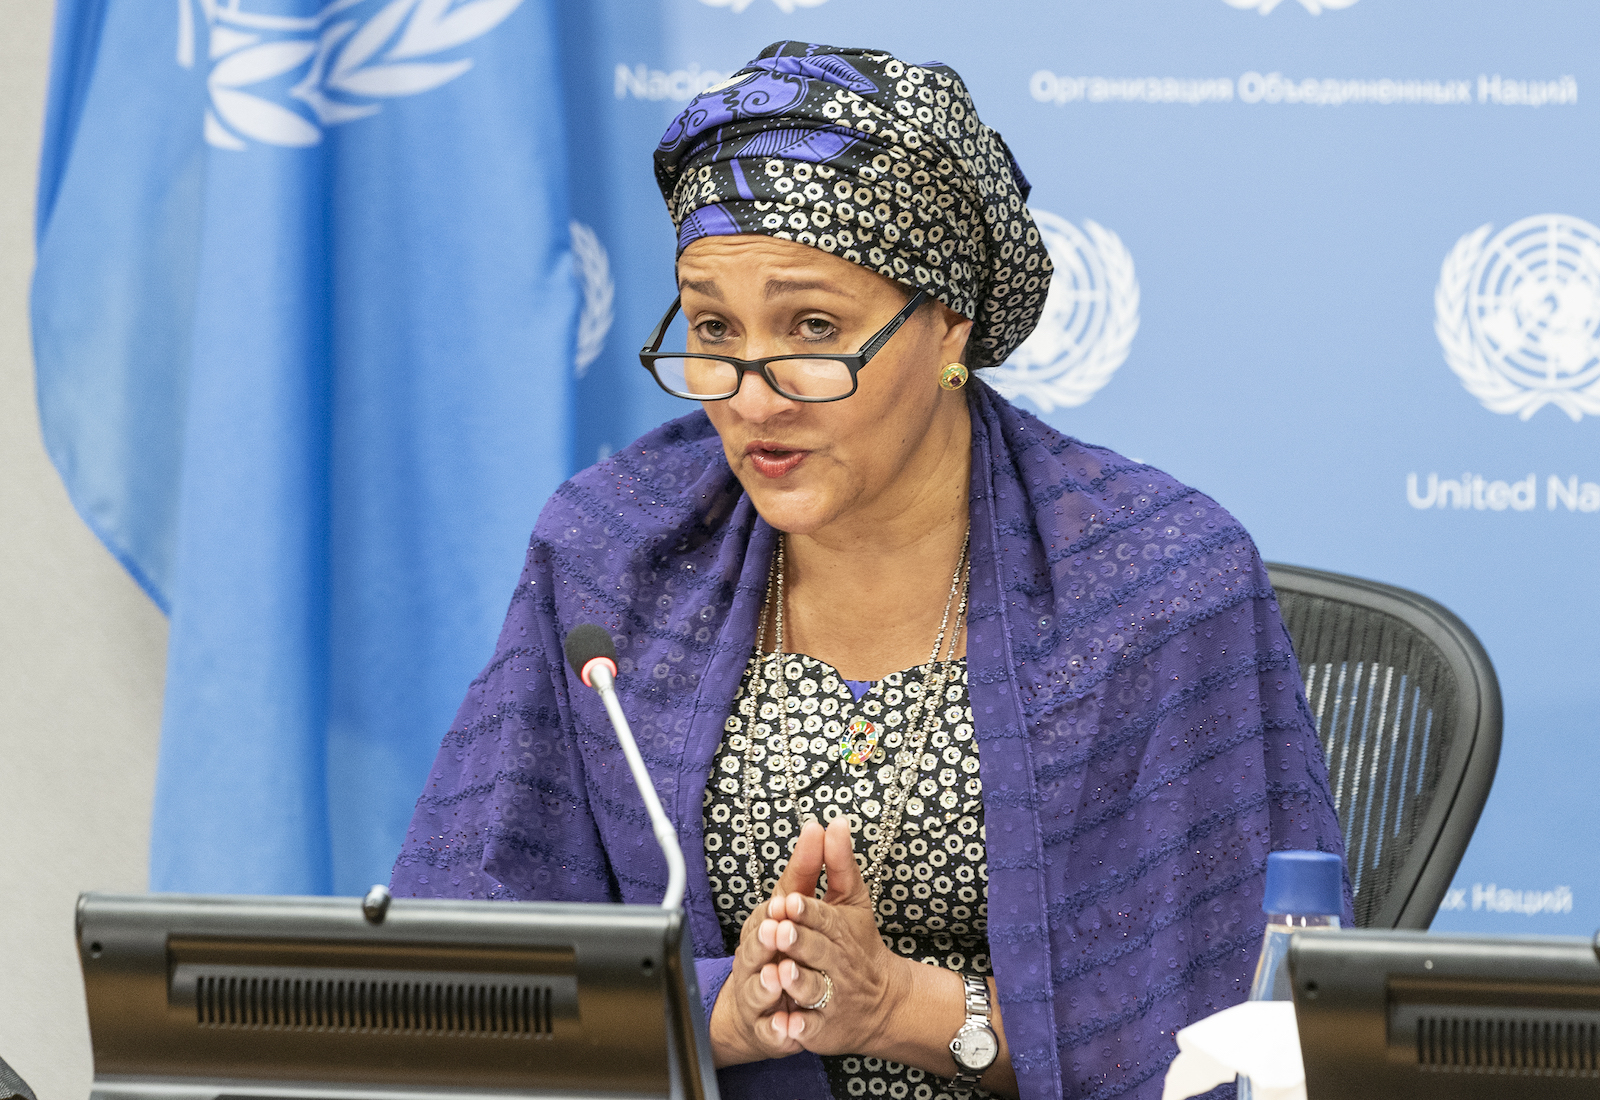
1407,707
13,1087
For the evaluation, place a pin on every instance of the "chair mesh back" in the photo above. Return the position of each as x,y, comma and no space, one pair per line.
12,1086
1384,701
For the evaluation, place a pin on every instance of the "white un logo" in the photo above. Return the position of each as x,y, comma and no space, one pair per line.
1519,316
1089,320
306,73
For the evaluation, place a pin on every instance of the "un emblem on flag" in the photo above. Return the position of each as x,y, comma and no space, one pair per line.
336,66
1089,321
1518,316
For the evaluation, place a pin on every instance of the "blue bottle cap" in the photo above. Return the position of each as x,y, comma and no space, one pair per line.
1302,883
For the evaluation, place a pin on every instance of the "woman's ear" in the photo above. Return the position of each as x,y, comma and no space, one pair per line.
953,339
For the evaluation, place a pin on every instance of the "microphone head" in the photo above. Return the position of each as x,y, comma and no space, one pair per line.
587,643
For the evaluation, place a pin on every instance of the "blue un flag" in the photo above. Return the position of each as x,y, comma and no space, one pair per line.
305,319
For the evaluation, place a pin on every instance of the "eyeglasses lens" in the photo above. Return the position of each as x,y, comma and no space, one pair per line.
797,377
698,377
811,377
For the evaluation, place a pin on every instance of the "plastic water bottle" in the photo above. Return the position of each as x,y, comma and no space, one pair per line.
1304,890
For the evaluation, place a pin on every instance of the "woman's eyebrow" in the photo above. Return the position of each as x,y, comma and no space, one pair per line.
776,287
773,289
708,287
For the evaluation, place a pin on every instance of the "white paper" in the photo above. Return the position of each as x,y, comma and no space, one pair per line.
1258,1039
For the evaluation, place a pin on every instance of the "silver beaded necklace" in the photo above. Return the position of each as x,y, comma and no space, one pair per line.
922,717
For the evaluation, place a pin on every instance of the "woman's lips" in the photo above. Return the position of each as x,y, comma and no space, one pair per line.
771,460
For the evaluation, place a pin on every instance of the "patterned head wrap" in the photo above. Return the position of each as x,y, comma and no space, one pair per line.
879,162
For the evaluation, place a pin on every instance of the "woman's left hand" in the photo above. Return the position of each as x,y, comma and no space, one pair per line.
883,1005
836,936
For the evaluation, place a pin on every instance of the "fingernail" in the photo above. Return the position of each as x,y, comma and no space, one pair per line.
799,1026
799,905
776,1026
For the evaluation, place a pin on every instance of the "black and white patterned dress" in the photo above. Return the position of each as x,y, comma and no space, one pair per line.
934,906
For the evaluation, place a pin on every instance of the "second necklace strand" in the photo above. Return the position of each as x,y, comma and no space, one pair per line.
922,716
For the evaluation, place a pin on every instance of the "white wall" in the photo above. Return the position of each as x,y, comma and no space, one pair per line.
82,654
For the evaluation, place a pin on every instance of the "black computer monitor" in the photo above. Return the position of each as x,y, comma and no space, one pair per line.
1417,1016
203,998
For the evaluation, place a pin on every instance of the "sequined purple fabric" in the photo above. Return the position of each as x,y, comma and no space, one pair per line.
1144,741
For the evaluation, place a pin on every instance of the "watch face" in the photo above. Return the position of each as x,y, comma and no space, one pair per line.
975,1048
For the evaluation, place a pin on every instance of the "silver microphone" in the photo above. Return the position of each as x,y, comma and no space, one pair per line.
594,658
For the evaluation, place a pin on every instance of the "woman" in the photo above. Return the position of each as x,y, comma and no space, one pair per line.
1040,694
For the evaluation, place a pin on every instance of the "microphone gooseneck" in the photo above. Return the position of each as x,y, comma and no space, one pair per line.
590,652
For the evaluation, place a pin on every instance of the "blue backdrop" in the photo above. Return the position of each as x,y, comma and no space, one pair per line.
330,298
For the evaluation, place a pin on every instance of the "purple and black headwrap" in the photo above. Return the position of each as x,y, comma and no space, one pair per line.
871,159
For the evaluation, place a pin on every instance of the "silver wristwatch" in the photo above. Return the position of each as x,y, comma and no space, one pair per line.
975,1046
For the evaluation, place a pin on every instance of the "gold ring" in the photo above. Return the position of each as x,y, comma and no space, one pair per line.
827,994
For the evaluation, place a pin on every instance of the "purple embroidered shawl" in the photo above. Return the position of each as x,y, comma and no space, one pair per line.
1143,735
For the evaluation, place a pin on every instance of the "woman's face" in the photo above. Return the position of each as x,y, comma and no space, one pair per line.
887,449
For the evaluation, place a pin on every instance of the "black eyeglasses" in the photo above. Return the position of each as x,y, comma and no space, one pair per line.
812,378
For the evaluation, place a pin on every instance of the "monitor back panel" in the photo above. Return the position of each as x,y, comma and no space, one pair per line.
303,997
1414,1016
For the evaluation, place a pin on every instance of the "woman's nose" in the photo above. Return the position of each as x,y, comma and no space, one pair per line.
757,402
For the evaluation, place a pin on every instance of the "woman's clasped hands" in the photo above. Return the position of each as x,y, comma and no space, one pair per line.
795,948
815,975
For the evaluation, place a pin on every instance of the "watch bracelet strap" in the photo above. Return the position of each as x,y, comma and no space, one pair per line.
977,996
977,1003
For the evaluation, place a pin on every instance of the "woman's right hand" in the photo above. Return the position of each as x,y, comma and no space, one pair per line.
751,1020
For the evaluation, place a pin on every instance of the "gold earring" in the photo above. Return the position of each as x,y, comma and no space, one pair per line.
953,377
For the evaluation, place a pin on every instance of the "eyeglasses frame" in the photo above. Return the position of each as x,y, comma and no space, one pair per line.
650,353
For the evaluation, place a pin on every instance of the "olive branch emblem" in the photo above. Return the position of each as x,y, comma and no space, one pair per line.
1474,355
593,269
1454,329
350,64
